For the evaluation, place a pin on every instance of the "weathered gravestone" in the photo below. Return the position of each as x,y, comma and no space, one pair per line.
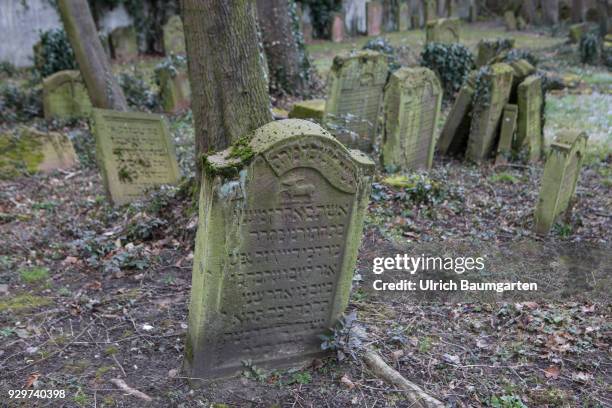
492,91
510,20
430,11
337,27
489,49
530,99
174,36
356,82
276,248
65,96
576,31
411,107
443,30
32,151
311,109
374,17
559,179
454,135
124,43
506,135
174,89
403,16
134,153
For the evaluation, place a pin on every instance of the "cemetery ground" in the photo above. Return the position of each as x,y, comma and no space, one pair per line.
90,293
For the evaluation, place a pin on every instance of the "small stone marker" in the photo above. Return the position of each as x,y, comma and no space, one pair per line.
134,152
412,102
492,92
454,135
337,27
506,135
510,20
276,247
174,36
33,151
374,17
356,83
174,89
124,43
560,177
312,109
431,13
443,30
530,100
576,31
65,96
403,17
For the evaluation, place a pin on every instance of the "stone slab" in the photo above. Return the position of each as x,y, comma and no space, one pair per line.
506,135
65,96
454,136
530,134
374,17
311,109
124,43
443,30
174,36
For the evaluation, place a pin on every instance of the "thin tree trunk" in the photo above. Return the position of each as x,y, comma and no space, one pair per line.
228,82
284,46
550,11
577,11
104,90
529,11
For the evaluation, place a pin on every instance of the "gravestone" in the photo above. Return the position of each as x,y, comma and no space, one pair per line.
356,82
510,20
174,36
275,250
311,109
430,10
443,30
32,151
576,31
530,100
492,91
134,153
412,102
403,17
489,49
65,96
454,135
124,43
506,135
337,27
374,17
561,173
174,89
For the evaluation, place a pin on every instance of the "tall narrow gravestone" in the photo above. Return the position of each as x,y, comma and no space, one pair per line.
454,135
356,82
493,87
561,174
443,30
174,36
174,89
134,153
374,17
506,135
412,102
530,99
280,225
65,96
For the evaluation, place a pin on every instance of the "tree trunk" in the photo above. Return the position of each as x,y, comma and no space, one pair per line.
603,10
550,11
577,11
104,90
228,82
284,46
529,11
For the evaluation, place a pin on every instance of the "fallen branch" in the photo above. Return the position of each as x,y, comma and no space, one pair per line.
415,394
129,390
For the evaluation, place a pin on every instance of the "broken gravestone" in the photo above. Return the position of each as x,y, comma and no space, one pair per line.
65,96
280,223
310,109
124,43
489,49
174,36
561,173
530,99
411,108
356,83
374,17
134,153
492,90
174,89
32,151
506,135
454,135
443,30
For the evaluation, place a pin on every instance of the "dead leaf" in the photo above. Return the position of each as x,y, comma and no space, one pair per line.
317,363
347,381
70,260
95,285
172,373
397,354
32,378
451,358
582,377
552,372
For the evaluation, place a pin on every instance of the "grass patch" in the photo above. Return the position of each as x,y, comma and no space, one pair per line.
22,302
504,177
34,274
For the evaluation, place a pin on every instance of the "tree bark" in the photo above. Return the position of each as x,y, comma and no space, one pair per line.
103,88
284,46
577,11
529,11
550,11
603,9
228,82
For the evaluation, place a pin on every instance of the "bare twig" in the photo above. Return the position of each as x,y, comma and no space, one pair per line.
129,390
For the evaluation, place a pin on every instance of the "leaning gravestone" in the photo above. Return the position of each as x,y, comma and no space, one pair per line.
174,89
454,135
530,99
356,83
489,49
492,92
32,151
506,135
412,102
561,174
280,225
134,153
174,36
65,96
443,30
124,43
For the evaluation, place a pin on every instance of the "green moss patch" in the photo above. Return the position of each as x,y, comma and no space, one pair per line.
23,302
34,274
